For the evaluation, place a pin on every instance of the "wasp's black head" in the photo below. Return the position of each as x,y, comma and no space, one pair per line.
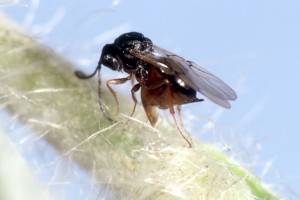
117,57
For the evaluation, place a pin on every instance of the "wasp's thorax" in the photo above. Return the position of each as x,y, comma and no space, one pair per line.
116,56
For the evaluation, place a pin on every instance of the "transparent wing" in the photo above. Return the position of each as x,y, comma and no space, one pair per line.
191,74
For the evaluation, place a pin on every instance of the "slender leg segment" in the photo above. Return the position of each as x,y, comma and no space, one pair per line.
135,88
151,111
115,82
178,108
171,109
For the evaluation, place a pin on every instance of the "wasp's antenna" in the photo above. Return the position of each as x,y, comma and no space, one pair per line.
101,104
82,75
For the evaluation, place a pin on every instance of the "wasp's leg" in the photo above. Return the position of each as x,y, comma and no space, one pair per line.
132,80
135,88
171,109
178,108
152,113
115,82
150,110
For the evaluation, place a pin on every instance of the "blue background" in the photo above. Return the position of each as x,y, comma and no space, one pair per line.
251,45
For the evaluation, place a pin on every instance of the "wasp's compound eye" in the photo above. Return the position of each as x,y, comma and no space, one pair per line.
111,62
